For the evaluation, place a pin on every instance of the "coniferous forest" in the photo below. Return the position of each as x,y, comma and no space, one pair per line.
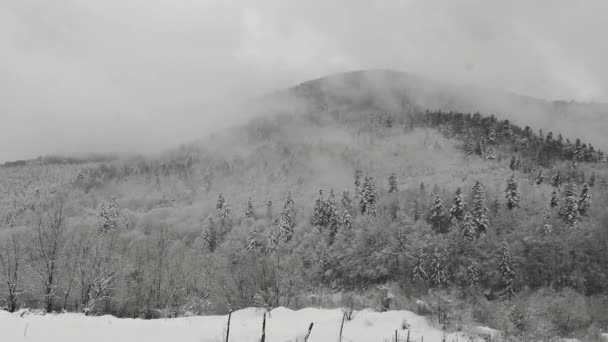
467,218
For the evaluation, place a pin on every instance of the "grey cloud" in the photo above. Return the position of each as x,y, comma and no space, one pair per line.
139,76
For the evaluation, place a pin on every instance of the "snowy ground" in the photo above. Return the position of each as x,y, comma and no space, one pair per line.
282,325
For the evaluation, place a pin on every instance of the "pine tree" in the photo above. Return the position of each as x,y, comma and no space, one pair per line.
511,194
318,211
547,228
346,221
468,147
468,227
554,200
457,210
480,211
392,183
570,213
358,189
272,241
287,220
491,155
495,206
416,212
480,148
584,200
368,197
220,202
209,235
252,242
556,180
507,271
107,219
437,215
419,270
540,178
513,163
347,202
225,220
437,272
249,211
401,240
592,180
333,219
473,274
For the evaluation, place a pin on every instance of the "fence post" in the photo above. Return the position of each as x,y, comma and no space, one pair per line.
396,339
309,330
408,335
228,327
263,329
341,326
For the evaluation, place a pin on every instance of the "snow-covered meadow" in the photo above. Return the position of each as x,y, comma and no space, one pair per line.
246,326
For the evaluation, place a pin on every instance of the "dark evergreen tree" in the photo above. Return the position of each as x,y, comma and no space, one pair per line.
287,221
209,235
358,189
437,270
333,219
584,201
592,180
480,210
569,211
225,220
401,240
547,228
347,202
468,227
318,214
220,202
368,197
437,215
556,180
457,210
554,200
473,274
540,178
252,242
392,183
249,213
513,163
507,270
419,270
490,155
512,194
272,241
480,148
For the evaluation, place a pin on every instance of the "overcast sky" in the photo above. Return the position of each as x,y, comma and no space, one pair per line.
144,75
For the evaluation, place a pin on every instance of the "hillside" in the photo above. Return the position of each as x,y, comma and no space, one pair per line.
381,186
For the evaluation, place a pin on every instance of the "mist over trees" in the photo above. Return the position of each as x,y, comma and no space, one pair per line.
473,215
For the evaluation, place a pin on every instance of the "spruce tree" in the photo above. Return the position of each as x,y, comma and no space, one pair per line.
419,270
401,240
556,180
357,182
333,219
220,202
511,194
540,178
513,163
507,271
225,220
468,227
209,235
468,147
592,180
346,220
392,183
473,274
491,155
554,200
369,197
457,210
570,213
252,242
480,211
547,228
272,241
347,202
437,271
318,211
480,148
584,201
249,211
437,215
287,220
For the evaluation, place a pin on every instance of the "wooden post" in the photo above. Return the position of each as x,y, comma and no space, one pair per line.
309,330
341,327
228,327
263,329
408,335
396,339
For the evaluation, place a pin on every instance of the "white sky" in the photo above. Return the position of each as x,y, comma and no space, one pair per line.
142,75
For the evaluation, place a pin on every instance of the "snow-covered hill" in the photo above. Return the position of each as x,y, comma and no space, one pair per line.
246,326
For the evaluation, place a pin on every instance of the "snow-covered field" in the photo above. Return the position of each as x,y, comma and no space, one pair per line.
246,325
